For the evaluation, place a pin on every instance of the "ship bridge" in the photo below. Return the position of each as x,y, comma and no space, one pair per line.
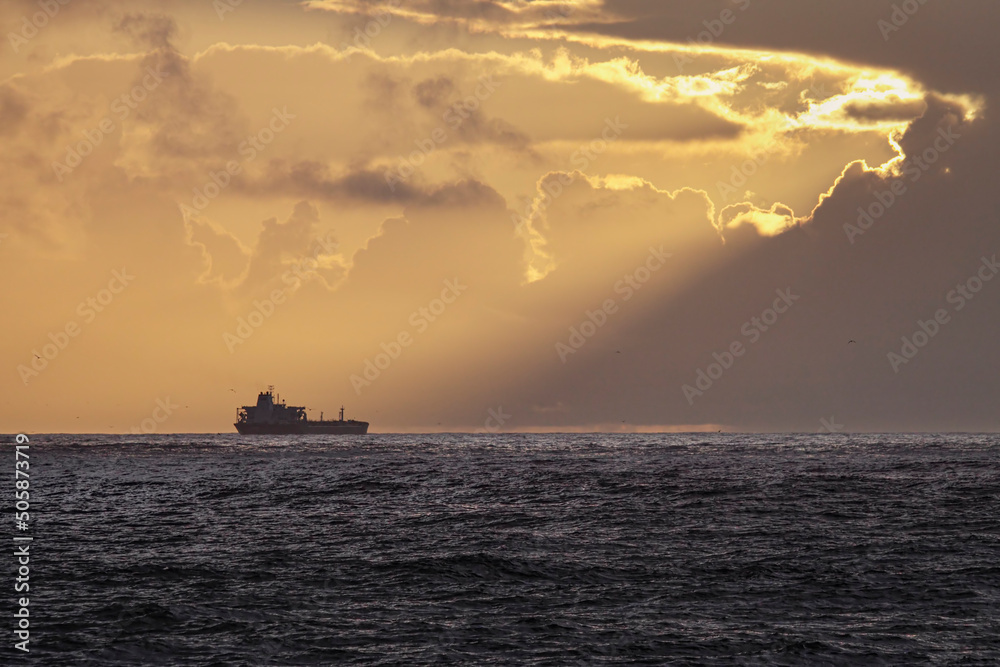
270,410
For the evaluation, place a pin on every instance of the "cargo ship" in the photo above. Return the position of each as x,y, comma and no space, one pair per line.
272,417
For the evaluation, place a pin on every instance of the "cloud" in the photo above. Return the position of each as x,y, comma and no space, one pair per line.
313,180
525,200
434,93
506,16
892,109
226,258
288,252
775,220
149,31
13,109
461,230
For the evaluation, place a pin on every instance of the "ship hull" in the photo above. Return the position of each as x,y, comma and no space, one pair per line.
304,428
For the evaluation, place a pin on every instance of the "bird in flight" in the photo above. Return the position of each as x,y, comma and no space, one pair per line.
851,341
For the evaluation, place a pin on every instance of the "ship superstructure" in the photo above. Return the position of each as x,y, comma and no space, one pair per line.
272,416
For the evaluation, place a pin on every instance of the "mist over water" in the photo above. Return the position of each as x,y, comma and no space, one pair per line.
534,549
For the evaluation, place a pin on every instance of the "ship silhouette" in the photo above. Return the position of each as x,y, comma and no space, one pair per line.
272,417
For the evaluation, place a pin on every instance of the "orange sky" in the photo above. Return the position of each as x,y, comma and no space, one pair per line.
576,215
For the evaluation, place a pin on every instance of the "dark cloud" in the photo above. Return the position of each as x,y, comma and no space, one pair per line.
153,31
382,91
950,46
189,116
315,180
13,109
493,12
478,128
892,109
921,134
434,93
932,238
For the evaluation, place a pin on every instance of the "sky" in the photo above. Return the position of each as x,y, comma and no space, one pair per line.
501,215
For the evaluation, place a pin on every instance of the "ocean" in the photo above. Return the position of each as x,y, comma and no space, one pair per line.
513,549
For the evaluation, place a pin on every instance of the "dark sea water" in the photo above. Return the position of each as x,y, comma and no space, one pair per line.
514,549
